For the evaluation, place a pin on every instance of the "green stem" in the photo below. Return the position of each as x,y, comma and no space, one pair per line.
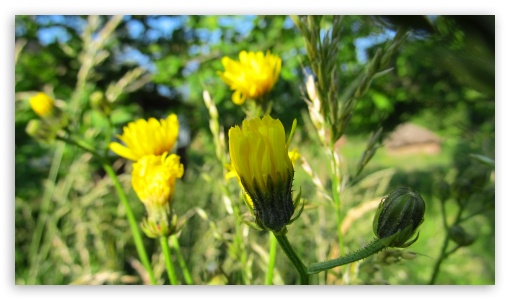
180,258
293,257
108,135
370,249
336,197
137,237
170,270
435,271
272,259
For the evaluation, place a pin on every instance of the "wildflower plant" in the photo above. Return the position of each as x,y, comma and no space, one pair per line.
153,179
260,157
259,154
155,171
145,142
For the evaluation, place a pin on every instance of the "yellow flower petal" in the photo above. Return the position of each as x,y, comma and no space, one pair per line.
122,151
147,137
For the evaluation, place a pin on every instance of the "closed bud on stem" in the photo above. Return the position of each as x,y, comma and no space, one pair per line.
99,102
443,190
398,217
160,221
40,131
460,236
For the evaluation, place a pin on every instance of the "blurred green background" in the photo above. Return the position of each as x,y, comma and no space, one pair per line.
443,80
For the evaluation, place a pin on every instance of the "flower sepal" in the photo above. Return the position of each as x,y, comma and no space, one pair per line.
296,202
401,238
250,221
160,222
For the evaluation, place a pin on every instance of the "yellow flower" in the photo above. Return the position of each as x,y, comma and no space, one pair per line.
253,76
147,137
42,104
153,178
259,155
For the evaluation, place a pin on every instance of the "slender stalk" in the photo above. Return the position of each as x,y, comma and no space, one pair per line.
293,257
443,254
41,219
437,265
370,249
137,237
170,270
180,258
272,259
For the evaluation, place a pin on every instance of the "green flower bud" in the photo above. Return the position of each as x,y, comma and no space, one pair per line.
398,217
99,102
443,190
460,236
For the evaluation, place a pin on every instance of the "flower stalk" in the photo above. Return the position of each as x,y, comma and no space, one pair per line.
370,249
137,236
395,223
180,258
293,257
168,260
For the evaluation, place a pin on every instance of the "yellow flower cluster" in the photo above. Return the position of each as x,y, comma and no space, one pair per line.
252,77
155,171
